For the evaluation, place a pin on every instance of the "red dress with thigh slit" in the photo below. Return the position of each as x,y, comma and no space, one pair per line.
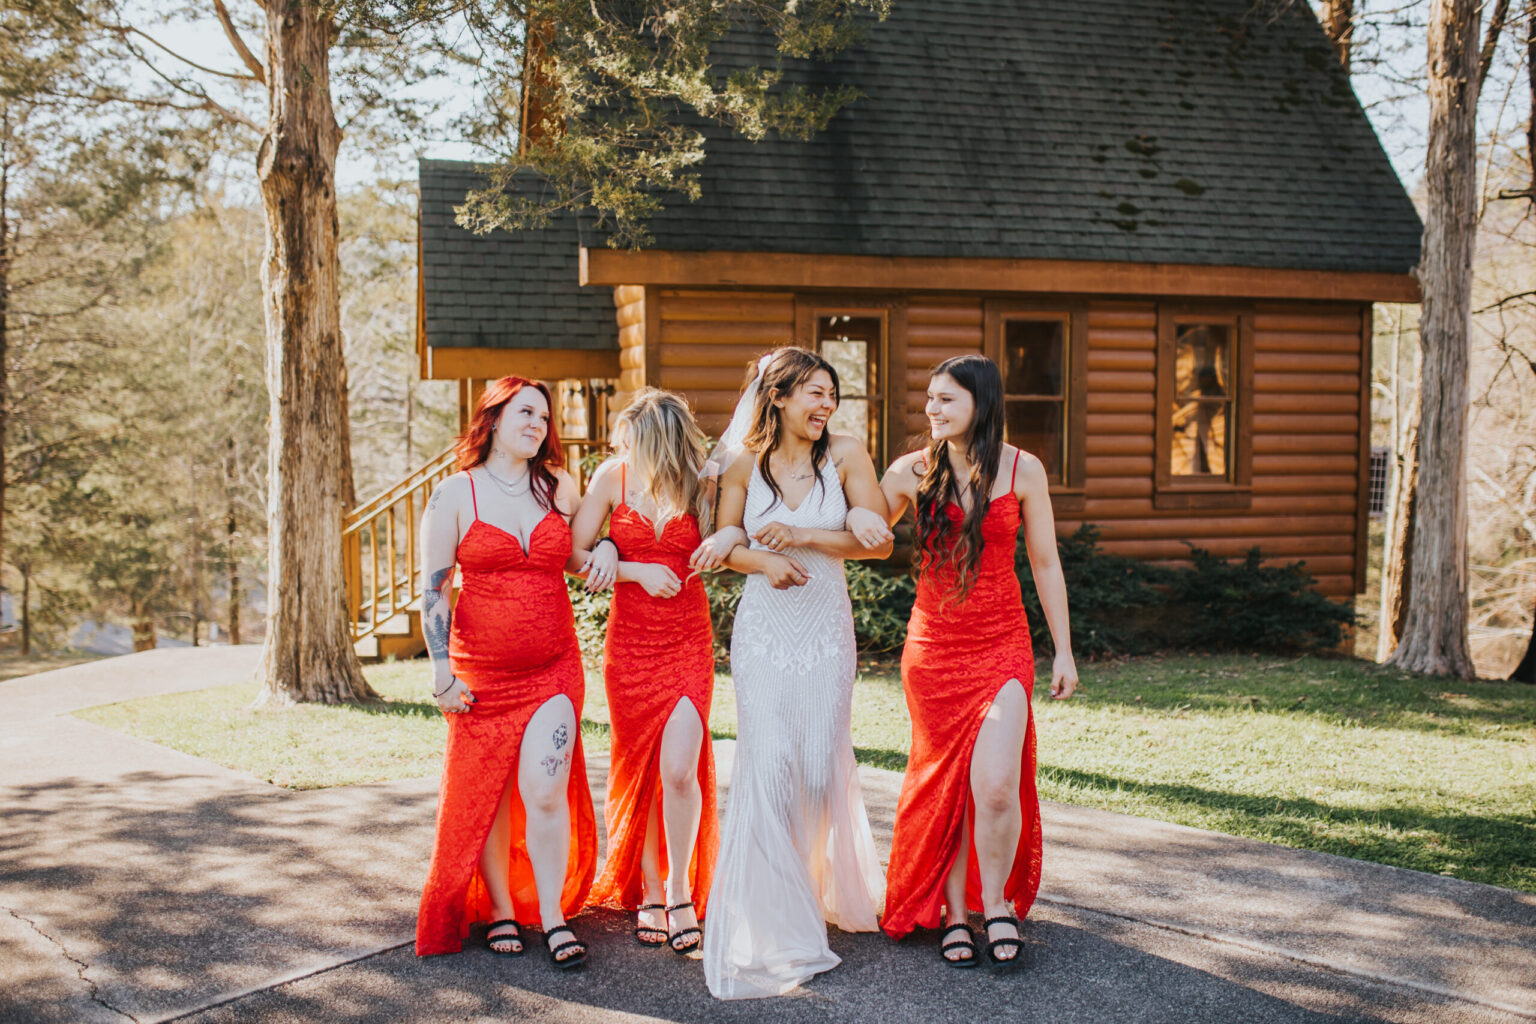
958,655
659,651
514,645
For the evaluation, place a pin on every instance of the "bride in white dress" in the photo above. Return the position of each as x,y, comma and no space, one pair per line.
796,850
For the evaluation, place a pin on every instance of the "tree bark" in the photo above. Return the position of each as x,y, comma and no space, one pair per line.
1399,540
309,654
26,611
1525,672
231,536
1338,18
1434,636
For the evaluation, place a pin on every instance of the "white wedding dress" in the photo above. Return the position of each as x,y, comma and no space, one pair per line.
796,850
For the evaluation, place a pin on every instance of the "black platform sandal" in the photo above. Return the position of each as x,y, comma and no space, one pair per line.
684,933
515,935
967,943
994,945
566,962
641,931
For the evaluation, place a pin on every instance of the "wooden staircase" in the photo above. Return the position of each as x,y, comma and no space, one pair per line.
384,583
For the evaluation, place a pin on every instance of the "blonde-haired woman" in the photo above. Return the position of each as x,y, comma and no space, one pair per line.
659,670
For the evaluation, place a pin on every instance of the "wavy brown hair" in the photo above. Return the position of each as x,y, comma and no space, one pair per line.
667,451
473,447
790,368
936,549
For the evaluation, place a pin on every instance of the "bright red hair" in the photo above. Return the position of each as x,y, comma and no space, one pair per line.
473,446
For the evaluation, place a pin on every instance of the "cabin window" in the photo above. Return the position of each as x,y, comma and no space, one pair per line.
852,343
1041,349
1034,367
1204,408
1202,401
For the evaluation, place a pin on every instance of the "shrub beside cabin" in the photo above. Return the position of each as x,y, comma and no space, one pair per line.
1166,221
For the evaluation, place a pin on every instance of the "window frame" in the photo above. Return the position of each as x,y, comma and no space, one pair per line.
1188,492
808,308
1068,495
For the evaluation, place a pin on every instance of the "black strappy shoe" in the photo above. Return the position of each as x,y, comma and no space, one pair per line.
994,945
516,935
641,931
967,943
684,933
566,962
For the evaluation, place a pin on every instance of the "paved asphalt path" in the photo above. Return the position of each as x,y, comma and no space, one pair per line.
137,883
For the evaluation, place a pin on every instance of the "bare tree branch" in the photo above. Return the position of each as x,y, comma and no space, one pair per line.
126,30
244,51
1491,41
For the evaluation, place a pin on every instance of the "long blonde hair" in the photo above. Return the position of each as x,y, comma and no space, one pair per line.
666,450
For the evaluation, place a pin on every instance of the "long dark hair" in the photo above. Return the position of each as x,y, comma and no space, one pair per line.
473,447
789,368
938,487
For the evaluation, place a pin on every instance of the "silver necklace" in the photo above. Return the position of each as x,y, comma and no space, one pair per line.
797,475
511,489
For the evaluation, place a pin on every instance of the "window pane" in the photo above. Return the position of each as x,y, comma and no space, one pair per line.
1202,361
1035,427
1032,356
852,418
851,344
1200,437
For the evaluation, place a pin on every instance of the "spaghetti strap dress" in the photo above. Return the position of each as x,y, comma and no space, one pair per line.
659,651
513,643
958,655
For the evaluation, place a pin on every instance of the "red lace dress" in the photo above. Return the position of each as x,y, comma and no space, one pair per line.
514,645
659,651
958,655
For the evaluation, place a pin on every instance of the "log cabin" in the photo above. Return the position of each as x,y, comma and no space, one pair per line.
1167,221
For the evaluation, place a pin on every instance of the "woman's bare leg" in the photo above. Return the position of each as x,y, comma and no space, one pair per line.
495,862
682,803
543,776
996,763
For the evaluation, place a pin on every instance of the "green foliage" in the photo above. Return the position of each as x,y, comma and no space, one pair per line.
591,612
882,602
1108,596
1247,606
724,590
624,92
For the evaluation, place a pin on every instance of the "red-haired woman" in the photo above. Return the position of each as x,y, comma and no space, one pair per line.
967,832
516,835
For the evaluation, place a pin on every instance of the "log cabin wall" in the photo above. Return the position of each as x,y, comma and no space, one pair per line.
629,311
1307,363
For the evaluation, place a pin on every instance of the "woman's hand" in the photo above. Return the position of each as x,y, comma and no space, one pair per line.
779,537
1063,676
784,572
602,567
454,698
711,554
869,527
657,579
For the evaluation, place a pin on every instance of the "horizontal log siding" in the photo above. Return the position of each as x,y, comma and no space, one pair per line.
1306,431
629,311
937,329
708,339
1305,404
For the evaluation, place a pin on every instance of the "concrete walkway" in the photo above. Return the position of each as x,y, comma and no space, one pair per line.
141,884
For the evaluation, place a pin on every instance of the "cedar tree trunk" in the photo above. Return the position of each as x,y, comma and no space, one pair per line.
1434,635
309,654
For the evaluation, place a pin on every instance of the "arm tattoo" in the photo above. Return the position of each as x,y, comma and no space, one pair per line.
435,615
432,502
561,737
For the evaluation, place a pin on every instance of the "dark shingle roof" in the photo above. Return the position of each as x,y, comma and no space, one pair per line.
505,289
1213,132
1217,132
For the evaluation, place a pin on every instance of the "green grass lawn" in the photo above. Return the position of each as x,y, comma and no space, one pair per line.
1323,754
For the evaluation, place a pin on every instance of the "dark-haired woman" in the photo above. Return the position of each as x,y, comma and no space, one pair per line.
967,833
516,835
796,850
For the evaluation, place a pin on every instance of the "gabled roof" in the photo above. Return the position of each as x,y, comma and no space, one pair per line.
1215,132
504,289
1208,132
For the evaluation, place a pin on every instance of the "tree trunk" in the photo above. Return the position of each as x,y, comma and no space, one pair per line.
1338,18
144,638
1434,636
5,322
1525,672
1395,584
231,535
308,654
26,611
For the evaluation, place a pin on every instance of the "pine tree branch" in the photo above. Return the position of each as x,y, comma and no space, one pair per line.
246,56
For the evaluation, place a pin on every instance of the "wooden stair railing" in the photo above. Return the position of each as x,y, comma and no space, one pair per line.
384,584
